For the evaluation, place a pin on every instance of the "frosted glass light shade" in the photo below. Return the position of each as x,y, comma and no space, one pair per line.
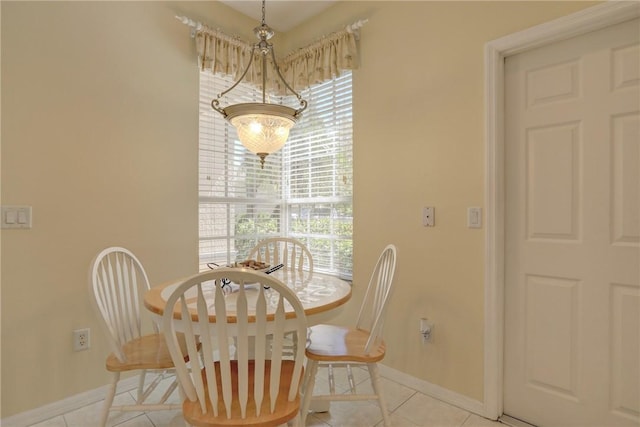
262,134
262,128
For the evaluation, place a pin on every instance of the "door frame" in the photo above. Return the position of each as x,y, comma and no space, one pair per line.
496,51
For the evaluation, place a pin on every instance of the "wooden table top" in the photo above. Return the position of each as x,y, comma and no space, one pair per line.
320,294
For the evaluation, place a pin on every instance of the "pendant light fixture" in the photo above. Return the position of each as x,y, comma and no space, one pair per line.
263,128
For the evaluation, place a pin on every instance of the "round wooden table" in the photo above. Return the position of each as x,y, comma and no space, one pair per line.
322,295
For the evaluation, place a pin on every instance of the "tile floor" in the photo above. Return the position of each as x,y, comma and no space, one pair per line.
407,407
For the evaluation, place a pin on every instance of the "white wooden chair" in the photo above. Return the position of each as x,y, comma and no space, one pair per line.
117,281
256,386
338,346
283,250
294,255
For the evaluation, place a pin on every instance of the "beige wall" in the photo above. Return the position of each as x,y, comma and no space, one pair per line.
99,135
418,140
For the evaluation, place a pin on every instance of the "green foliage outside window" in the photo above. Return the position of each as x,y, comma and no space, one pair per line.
250,228
249,231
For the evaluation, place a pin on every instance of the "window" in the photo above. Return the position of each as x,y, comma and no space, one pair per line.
304,190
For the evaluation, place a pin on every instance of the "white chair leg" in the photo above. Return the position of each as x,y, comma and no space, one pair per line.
294,338
377,388
294,422
332,381
309,383
352,382
181,393
108,400
143,373
305,378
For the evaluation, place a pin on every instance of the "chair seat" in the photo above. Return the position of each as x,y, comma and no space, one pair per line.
340,343
146,352
284,410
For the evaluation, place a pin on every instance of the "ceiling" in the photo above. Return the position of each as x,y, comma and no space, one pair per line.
281,15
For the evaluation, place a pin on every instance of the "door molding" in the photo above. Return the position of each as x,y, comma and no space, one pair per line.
591,19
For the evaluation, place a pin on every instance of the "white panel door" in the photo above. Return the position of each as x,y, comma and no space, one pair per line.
572,259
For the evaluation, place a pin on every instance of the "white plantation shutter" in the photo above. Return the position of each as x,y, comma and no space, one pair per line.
304,190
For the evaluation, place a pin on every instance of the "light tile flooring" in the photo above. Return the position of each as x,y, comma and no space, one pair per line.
408,408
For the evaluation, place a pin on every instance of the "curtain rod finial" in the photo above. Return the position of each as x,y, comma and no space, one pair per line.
356,25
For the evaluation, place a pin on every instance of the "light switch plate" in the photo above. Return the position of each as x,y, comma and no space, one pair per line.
16,217
474,217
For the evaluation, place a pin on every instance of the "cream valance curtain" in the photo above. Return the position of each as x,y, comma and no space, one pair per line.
324,59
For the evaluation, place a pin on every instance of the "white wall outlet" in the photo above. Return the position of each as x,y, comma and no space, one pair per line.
428,216
81,339
426,329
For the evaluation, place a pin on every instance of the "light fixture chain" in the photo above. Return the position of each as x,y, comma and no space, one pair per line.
263,12
264,78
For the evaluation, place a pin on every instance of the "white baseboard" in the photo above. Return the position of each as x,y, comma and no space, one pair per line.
65,405
433,390
77,401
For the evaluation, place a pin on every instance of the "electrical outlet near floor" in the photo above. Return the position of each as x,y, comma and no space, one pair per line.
81,339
